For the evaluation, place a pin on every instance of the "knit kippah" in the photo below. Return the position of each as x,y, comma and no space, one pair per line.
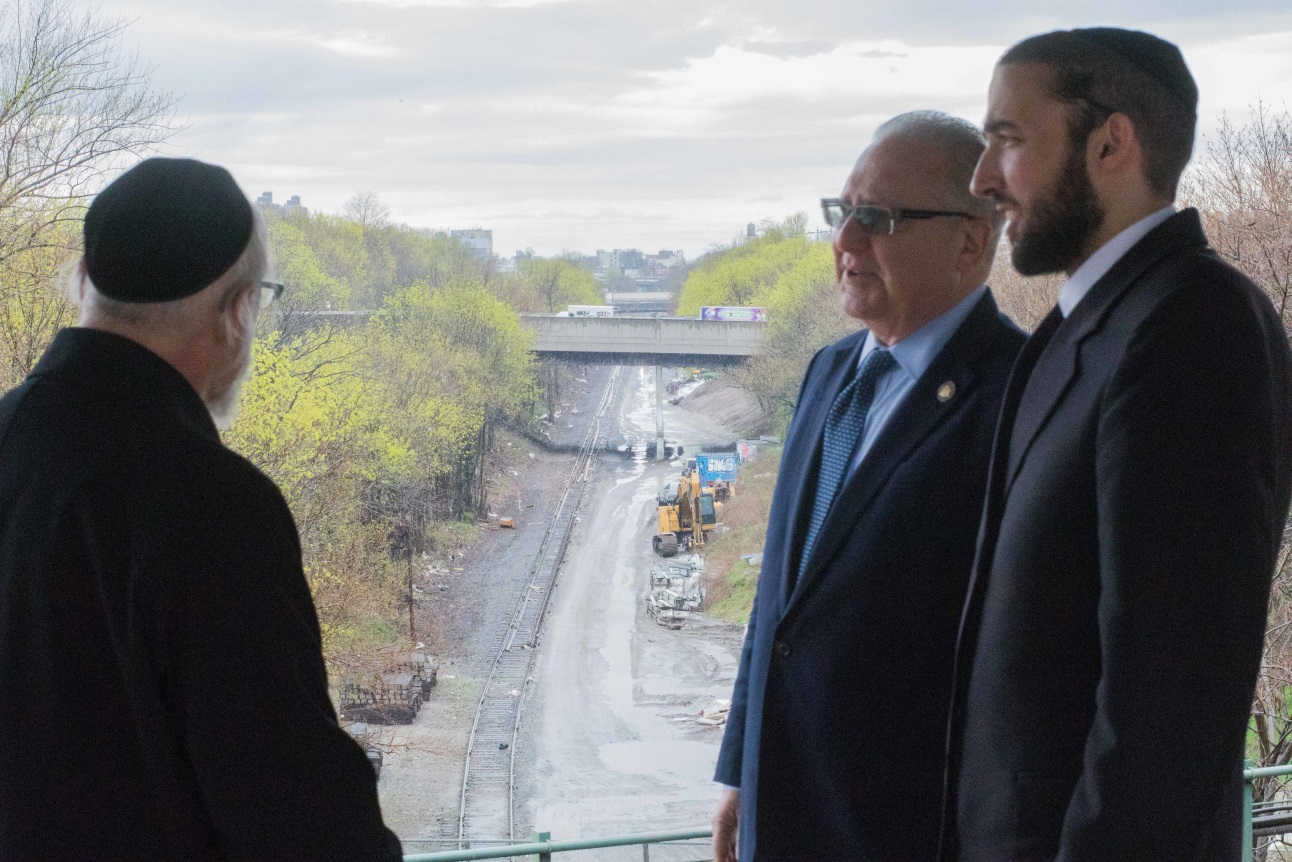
165,229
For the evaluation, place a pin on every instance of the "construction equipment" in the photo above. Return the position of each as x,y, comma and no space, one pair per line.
687,514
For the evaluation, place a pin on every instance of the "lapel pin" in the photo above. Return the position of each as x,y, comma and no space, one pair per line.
947,391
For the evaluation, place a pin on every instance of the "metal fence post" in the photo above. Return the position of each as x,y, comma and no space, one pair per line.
645,853
542,855
1247,812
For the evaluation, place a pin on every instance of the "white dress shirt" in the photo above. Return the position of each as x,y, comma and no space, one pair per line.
1098,264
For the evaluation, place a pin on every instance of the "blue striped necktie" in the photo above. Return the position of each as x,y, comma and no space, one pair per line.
844,425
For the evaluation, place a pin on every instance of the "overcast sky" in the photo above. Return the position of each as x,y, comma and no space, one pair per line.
586,124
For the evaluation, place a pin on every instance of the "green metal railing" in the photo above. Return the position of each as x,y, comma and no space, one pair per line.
1250,774
542,847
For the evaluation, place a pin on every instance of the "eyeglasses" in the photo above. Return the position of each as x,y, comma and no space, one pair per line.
876,220
269,292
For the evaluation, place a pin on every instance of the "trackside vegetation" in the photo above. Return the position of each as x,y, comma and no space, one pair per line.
380,434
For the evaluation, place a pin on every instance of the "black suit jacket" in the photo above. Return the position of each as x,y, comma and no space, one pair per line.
837,726
1138,492
162,688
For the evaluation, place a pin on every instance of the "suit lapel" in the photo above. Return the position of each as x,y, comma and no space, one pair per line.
1057,366
920,412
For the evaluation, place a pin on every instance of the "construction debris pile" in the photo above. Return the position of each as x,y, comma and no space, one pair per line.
676,591
392,696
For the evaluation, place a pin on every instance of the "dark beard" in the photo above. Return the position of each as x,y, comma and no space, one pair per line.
1062,223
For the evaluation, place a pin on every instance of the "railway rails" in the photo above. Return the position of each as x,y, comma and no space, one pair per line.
487,809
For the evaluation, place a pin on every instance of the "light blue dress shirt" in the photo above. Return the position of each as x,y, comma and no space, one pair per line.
914,354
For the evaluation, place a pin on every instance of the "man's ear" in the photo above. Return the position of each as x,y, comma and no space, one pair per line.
1114,147
238,318
977,237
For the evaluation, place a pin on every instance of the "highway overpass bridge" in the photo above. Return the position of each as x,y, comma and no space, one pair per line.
664,342
673,342
661,341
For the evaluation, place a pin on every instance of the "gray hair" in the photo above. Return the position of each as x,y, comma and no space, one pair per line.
962,142
253,265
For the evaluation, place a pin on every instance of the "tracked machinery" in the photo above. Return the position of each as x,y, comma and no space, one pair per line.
687,515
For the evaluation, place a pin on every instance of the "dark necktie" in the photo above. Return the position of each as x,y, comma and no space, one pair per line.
844,425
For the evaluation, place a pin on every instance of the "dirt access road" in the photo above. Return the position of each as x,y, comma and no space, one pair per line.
610,731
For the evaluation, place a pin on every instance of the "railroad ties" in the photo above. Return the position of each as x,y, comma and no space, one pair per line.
488,805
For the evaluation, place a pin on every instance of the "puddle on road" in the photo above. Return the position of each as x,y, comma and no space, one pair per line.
687,761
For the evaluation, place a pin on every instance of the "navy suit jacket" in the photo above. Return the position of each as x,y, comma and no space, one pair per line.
1113,631
837,729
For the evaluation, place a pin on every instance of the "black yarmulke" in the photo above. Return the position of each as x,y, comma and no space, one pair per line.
165,229
1155,57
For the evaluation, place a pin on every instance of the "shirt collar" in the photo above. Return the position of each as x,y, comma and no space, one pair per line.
1098,264
916,352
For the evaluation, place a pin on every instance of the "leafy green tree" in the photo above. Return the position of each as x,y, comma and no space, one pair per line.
746,273
467,345
552,285
794,279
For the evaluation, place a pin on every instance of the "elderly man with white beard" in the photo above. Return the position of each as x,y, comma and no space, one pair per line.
162,687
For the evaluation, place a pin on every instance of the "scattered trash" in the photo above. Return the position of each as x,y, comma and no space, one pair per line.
503,746
715,714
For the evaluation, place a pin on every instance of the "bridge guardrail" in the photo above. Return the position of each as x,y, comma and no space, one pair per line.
1259,819
685,845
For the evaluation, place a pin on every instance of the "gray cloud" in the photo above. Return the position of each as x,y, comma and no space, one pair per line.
582,124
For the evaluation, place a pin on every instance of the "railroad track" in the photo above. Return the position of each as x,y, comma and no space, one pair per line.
488,780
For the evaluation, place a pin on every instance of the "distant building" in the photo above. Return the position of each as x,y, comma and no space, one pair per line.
479,241
292,207
664,260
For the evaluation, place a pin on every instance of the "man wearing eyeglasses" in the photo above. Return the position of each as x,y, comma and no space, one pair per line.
835,741
162,688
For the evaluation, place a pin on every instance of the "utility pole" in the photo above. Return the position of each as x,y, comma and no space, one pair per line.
412,632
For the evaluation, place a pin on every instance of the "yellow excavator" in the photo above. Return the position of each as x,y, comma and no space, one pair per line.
687,515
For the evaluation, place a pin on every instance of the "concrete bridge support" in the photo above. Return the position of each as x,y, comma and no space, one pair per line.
659,413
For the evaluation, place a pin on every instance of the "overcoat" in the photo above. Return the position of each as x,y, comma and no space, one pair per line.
1138,495
162,688
838,721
